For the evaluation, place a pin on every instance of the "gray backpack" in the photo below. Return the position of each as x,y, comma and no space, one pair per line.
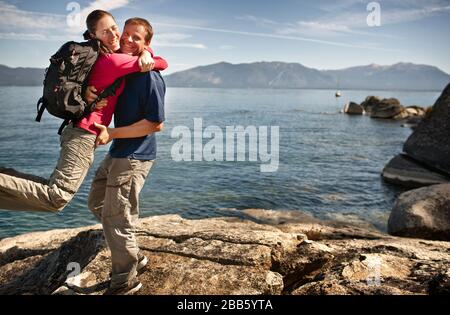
66,80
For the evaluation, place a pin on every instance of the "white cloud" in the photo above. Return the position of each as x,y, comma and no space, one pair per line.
36,36
22,36
280,36
17,24
314,28
157,43
107,5
164,37
175,40
12,17
349,17
226,47
259,21
401,16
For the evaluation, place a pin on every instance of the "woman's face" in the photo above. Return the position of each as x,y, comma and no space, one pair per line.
108,33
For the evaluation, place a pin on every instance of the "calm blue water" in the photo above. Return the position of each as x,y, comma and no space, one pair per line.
330,163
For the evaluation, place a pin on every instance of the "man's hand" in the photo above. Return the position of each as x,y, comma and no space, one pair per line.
104,137
100,104
146,62
91,94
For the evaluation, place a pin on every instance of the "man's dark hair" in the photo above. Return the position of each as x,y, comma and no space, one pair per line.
143,22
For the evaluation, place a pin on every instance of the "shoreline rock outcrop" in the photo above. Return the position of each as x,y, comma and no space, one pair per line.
268,252
429,143
389,108
353,108
386,108
426,152
404,171
423,213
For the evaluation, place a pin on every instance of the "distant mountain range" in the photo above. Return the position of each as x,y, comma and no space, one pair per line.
20,76
405,76
278,75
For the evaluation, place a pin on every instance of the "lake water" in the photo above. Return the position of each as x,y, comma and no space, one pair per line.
330,163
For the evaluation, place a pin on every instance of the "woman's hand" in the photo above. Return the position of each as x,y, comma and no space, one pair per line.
90,95
146,62
100,104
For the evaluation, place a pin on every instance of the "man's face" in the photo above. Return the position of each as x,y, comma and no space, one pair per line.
132,41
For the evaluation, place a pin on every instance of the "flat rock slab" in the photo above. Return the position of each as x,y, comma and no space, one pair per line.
404,171
229,256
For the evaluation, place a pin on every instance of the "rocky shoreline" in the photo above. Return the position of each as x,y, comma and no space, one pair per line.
424,161
387,108
268,252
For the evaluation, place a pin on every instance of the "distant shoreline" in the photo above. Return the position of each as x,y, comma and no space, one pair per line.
237,88
279,75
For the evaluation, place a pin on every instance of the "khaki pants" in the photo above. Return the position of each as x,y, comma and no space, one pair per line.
26,192
114,200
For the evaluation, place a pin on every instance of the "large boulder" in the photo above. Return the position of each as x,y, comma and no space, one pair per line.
400,116
353,109
422,213
430,142
404,171
370,102
387,108
412,122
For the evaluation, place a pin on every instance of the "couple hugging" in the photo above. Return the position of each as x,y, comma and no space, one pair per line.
138,108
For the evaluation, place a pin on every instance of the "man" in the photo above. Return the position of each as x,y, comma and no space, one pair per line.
114,195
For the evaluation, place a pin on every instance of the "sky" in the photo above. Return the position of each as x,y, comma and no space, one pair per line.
188,33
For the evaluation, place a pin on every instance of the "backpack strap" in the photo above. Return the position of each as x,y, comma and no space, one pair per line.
108,91
63,125
40,109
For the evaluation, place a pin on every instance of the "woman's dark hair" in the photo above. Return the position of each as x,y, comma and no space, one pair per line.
87,35
91,24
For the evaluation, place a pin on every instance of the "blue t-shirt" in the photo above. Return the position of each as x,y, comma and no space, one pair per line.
142,98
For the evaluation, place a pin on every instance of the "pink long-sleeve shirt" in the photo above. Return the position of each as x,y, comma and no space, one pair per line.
105,71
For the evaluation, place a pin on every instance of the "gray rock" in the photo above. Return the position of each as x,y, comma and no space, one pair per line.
414,111
353,109
422,213
402,115
412,122
231,256
386,109
404,171
369,103
430,143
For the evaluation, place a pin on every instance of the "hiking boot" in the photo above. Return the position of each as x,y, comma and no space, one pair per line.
142,262
128,289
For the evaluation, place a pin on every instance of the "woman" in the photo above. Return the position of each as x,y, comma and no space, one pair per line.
27,192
